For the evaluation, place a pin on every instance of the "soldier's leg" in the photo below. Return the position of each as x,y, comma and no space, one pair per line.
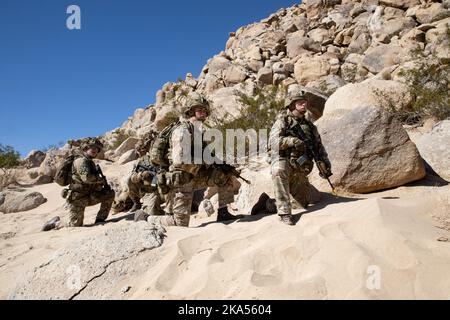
182,202
151,203
106,198
226,196
300,188
167,220
280,176
133,191
76,213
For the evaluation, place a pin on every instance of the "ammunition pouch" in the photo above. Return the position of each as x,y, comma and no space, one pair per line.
178,179
163,186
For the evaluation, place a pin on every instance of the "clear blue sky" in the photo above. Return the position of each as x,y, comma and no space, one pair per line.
57,84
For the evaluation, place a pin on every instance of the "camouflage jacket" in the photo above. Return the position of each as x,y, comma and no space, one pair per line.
85,177
185,138
279,138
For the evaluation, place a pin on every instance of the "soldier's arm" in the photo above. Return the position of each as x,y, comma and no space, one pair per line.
181,150
84,170
278,136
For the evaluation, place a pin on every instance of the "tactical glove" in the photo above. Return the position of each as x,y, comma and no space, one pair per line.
295,142
146,176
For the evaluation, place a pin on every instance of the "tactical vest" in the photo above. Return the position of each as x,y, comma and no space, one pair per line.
77,185
293,154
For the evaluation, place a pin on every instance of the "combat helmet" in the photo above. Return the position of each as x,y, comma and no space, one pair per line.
92,142
194,100
294,96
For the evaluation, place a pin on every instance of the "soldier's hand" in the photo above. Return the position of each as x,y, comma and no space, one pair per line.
146,176
324,169
296,142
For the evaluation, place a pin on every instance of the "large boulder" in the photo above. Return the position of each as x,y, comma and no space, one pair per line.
128,156
126,146
308,69
404,4
297,43
53,159
431,12
382,56
17,201
369,151
34,159
434,147
69,272
380,93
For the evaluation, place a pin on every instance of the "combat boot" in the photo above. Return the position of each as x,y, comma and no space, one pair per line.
224,215
49,225
99,220
287,219
260,206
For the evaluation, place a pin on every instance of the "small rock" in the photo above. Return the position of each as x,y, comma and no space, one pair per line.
125,289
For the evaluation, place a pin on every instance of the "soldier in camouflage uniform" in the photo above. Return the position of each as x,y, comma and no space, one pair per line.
290,178
139,183
87,188
184,177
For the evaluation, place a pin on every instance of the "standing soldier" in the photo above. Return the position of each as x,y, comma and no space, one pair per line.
292,163
87,187
184,177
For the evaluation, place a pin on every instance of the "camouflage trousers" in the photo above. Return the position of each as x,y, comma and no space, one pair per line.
77,203
151,200
180,200
288,181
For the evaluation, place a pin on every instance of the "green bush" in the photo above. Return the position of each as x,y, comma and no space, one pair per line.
429,85
9,157
258,111
121,137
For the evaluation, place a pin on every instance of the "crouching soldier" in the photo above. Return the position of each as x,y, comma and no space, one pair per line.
290,137
87,187
142,181
184,177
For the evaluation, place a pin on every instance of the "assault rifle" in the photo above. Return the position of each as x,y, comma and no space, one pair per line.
229,169
311,154
106,185
151,169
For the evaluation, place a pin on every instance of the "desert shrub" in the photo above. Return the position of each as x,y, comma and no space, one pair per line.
121,136
9,158
258,111
429,84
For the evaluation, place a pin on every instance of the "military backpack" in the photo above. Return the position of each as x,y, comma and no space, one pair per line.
64,172
160,147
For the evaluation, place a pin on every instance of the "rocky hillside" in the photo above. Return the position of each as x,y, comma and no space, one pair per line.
319,44
355,52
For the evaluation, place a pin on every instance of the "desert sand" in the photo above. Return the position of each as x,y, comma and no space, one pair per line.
385,245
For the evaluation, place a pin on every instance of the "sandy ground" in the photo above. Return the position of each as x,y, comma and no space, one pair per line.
386,245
